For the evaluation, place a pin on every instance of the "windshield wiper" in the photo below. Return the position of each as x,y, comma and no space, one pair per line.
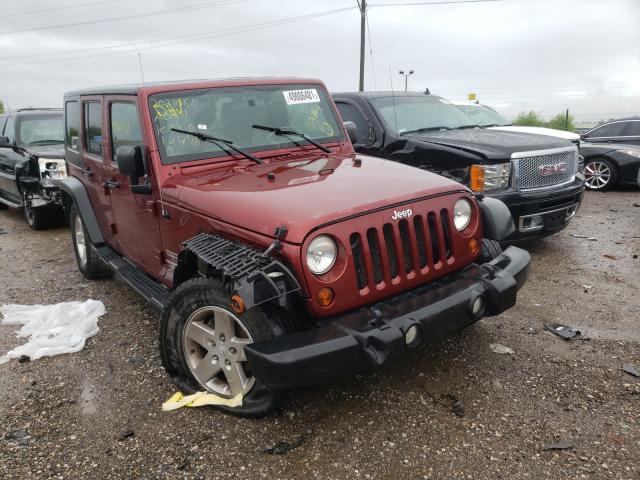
425,129
285,132
462,127
219,142
45,142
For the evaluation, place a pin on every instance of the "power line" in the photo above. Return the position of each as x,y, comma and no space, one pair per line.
443,2
127,17
190,38
45,10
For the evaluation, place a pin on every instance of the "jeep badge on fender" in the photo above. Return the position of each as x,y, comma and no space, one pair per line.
231,219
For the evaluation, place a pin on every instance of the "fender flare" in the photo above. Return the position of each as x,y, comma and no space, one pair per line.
77,192
497,222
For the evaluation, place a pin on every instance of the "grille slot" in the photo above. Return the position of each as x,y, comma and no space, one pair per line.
358,259
444,218
406,246
543,171
390,243
374,248
433,237
421,241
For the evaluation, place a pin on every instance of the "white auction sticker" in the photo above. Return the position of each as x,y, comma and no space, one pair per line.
293,97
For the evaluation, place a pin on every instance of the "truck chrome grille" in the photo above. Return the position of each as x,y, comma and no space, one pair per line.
406,248
545,169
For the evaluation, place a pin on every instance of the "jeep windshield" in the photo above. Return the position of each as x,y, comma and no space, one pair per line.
41,130
231,113
484,116
415,114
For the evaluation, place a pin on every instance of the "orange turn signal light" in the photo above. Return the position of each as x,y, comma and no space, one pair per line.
474,246
325,297
476,174
237,304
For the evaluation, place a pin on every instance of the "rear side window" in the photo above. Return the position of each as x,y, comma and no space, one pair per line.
72,125
125,126
9,130
93,127
633,129
608,130
350,113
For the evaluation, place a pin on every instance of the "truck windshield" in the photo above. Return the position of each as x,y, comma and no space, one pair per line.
484,116
41,130
231,113
420,113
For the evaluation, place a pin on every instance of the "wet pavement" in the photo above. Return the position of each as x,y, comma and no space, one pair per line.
454,410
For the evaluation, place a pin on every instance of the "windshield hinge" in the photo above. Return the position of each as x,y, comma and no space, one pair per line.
280,233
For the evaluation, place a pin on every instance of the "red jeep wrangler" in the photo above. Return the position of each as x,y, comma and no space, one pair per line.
277,256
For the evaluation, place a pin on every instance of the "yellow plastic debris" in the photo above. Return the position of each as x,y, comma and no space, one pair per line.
199,399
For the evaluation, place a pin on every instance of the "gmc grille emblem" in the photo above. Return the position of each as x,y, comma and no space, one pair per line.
547,170
402,214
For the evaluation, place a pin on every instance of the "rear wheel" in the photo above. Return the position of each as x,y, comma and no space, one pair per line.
88,261
202,345
490,250
600,174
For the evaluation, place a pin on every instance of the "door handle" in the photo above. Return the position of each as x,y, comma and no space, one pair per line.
111,184
87,172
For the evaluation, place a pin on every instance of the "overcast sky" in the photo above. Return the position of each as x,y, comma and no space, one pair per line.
541,55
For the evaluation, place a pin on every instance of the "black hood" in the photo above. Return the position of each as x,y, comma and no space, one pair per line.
47,151
490,144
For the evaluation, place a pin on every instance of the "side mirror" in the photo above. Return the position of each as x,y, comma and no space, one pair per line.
129,160
5,143
131,163
350,127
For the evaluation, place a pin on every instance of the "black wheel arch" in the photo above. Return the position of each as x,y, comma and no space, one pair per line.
74,192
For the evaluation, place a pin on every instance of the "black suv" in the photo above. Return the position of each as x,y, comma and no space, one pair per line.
32,164
622,130
537,176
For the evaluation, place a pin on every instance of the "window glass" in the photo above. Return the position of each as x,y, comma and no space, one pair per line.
350,113
72,118
9,130
413,114
230,112
41,130
93,127
125,126
484,116
609,130
633,129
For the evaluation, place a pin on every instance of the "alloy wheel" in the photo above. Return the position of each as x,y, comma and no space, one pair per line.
597,175
213,344
81,244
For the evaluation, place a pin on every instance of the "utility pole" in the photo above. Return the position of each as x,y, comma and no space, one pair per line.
363,25
406,77
566,119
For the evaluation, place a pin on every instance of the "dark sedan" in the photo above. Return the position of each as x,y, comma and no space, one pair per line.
607,165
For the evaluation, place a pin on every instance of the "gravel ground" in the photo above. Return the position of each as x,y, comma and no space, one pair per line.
454,410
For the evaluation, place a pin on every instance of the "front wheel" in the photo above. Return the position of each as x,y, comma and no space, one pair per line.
600,174
202,345
38,218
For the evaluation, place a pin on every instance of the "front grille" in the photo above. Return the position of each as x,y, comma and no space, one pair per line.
404,248
544,170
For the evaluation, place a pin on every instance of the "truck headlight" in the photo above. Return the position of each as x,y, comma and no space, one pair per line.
462,214
52,168
489,177
321,254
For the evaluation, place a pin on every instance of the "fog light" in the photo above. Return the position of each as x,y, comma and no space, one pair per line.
474,246
325,297
412,337
477,306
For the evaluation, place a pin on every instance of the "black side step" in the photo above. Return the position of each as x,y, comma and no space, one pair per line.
155,293
10,202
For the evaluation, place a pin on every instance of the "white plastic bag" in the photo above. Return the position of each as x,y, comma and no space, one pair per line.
52,329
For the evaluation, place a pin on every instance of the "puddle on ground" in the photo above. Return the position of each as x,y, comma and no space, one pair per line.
88,399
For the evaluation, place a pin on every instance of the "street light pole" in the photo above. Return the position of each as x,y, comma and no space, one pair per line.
363,23
406,77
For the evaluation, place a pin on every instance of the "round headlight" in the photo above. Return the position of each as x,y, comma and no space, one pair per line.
321,254
462,214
